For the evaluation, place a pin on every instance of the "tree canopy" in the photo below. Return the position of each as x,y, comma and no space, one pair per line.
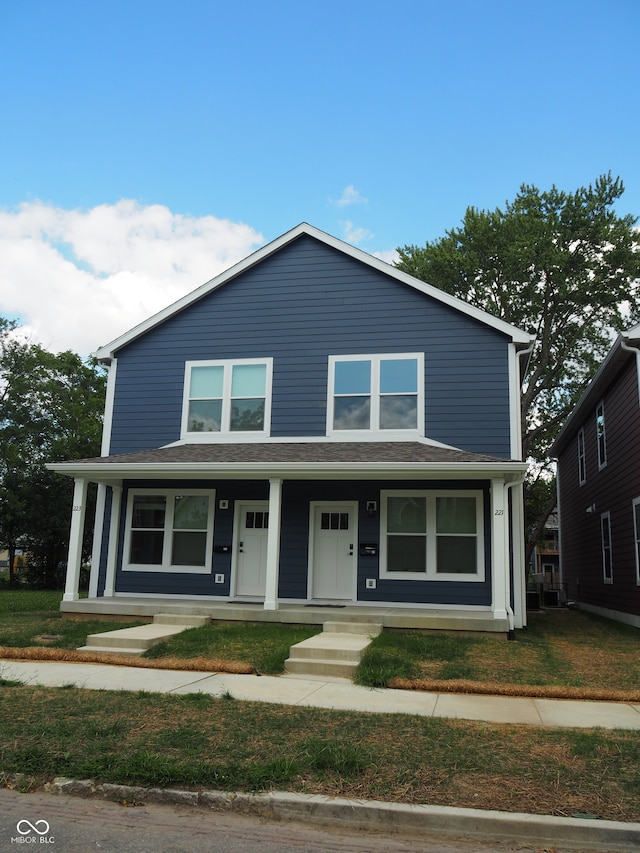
51,408
564,266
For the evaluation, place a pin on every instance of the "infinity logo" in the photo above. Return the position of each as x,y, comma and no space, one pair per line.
41,827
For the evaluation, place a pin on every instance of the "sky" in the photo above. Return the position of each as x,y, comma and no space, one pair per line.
147,145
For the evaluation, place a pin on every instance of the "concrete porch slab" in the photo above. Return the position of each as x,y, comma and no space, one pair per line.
387,615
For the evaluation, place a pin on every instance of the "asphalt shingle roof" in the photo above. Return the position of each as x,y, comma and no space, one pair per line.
298,452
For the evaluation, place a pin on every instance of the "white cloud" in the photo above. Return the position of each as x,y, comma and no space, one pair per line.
389,256
78,279
350,195
353,234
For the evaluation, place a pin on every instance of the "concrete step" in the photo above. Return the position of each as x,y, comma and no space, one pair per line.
337,651
136,641
112,650
187,621
331,668
340,647
369,629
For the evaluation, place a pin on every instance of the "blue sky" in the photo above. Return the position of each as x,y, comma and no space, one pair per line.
209,128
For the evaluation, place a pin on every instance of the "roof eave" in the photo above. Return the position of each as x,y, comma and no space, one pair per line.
594,391
116,472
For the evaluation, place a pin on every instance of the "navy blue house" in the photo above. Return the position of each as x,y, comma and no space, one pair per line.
312,428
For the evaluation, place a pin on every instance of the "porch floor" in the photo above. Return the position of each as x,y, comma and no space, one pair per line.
389,616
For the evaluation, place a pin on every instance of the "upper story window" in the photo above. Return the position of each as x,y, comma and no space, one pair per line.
376,393
601,436
227,397
582,462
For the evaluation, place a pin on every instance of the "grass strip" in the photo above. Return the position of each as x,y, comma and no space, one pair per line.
198,741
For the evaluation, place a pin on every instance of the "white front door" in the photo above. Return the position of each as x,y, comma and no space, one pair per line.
333,551
251,548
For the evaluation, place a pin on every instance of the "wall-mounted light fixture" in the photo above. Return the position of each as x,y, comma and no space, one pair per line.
372,507
591,508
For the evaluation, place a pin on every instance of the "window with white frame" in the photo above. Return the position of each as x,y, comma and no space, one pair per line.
169,530
376,393
582,462
432,535
601,436
636,535
227,397
605,539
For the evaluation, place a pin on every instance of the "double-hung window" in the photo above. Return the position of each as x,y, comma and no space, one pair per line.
636,535
227,397
432,535
601,436
607,559
376,393
170,531
582,461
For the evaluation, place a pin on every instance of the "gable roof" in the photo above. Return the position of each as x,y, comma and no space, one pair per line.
617,356
106,353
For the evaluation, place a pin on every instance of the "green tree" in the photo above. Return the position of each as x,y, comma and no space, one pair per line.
564,266
50,409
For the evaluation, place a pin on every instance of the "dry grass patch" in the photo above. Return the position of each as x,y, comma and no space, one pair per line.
69,655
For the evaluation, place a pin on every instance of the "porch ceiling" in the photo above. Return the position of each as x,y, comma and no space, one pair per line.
293,460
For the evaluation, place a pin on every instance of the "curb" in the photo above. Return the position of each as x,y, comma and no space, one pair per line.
375,815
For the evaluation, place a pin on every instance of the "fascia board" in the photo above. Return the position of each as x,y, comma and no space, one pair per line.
518,336
115,472
596,387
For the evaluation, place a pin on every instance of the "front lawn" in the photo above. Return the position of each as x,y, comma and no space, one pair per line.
197,741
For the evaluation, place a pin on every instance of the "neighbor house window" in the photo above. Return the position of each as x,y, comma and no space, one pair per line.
636,535
227,397
582,463
376,393
169,531
607,561
601,436
432,535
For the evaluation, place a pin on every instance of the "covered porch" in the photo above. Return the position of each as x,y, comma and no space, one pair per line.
337,465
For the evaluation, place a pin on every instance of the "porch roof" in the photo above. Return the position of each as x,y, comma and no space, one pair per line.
293,460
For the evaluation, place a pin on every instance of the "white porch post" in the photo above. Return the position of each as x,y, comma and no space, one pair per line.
97,541
519,567
499,556
273,545
112,549
74,559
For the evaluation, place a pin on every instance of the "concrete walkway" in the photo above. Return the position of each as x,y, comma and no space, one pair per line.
338,694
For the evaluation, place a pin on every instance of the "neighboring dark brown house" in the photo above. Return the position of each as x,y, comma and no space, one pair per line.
598,453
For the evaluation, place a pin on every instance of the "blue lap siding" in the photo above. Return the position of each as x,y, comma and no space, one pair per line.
294,545
298,306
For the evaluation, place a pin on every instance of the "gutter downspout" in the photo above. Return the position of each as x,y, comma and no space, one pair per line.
625,346
509,533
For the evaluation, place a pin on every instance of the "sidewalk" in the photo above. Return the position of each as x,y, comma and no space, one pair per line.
338,694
